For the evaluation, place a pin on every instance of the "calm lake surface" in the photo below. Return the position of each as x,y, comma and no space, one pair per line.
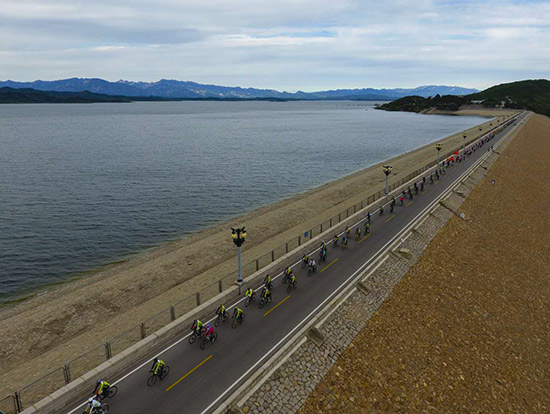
83,185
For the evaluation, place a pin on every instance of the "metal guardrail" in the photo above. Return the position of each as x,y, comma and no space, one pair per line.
85,362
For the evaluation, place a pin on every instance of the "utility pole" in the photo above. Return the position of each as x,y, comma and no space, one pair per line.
438,148
238,236
387,170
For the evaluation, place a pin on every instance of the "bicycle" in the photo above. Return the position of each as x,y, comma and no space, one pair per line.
358,234
111,392
264,301
286,277
323,256
250,299
344,244
291,285
311,270
153,378
222,317
237,321
209,340
194,336
104,409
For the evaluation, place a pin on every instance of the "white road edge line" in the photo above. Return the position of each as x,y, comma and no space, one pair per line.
275,277
360,269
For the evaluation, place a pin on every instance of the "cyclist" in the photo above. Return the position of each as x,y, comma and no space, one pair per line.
392,205
221,310
292,279
358,232
158,368
312,265
323,254
266,294
348,231
288,271
367,227
197,327
267,281
101,388
94,406
402,199
335,240
208,331
305,258
368,216
381,210
249,293
238,313
345,241
323,245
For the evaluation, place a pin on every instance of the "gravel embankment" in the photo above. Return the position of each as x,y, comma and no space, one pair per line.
467,330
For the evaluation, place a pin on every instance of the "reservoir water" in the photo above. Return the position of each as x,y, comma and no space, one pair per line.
84,185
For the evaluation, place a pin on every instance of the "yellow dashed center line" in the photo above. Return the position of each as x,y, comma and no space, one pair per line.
186,375
388,219
409,203
275,307
424,191
327,266
364,238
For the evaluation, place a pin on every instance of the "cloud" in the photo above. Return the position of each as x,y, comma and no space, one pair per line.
287,44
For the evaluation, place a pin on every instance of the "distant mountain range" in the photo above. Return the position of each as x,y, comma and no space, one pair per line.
174,89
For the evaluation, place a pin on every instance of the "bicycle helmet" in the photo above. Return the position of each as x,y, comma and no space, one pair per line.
90,400
98,381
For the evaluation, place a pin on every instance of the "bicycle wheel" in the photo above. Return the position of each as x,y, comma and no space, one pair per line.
112,391
247,301
234,323
309,272
214,337
192,338
289,288
105,408
165,371
152,380
261,303
303,264
204,343
217,321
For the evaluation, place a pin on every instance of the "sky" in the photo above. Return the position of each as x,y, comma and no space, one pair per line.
278,44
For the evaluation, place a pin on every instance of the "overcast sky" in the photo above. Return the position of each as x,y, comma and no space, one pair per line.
281,44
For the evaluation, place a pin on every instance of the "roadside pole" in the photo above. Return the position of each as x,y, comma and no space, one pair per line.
238,236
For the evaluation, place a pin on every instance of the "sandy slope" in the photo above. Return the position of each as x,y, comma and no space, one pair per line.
47,331
468,328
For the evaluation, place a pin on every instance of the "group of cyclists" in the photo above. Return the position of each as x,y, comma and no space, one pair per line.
159,368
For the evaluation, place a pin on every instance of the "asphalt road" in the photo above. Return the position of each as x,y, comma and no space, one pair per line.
200,379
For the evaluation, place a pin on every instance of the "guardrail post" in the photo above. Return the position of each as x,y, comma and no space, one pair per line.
310,234
286,244
257,265
330,223
198,295
300,240
321,227
362,204
173,310
67,373
272,255
354,208
142,330
18,402
108,353
339,217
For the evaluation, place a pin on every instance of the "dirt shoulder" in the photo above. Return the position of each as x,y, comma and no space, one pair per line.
467,330
47,331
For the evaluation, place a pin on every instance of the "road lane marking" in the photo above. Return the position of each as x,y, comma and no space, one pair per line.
393,215
275,307
424,191
409,203
146,363
335,292
330,264
186,375
364,238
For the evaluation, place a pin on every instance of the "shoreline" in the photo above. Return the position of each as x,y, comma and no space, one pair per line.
46,331
167,244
